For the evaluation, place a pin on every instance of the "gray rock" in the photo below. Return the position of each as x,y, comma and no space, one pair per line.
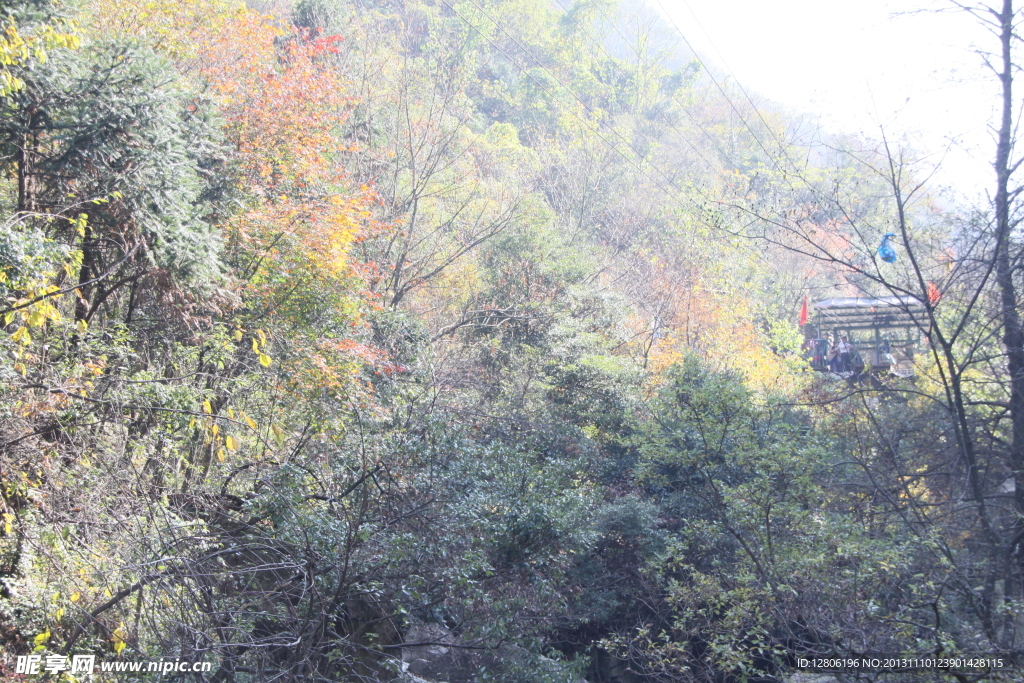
434,635
433,656
406,677
806,677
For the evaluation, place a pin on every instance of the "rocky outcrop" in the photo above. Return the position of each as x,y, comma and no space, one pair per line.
805,677
435,655
406,677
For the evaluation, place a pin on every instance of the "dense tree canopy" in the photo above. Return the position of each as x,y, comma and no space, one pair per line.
457,340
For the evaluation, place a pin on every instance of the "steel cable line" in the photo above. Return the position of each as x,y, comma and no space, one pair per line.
683,135
754,216
721,89
782,150
699,207
724,94
725,64
523,71
759,255
709,223
665,118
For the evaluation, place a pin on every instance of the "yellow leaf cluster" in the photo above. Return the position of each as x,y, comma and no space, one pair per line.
178,28
17,48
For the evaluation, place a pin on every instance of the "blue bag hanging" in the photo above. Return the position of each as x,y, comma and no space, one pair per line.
886,252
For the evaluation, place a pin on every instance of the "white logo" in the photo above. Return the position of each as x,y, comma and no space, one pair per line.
55,664
83,664
28,664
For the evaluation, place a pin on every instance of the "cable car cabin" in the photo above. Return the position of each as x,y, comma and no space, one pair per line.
853,336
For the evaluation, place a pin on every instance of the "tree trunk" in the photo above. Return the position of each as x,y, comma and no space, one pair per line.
1013,338
85,274
25,203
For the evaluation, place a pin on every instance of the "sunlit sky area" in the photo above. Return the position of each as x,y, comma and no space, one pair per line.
859,65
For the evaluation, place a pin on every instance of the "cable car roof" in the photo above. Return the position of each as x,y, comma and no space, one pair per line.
901,302
854,313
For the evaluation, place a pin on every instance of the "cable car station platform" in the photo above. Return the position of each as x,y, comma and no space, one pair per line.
854,336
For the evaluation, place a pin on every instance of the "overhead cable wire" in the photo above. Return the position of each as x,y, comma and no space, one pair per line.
664,116
725,64
759,255
721,89
725,95
695,204
603,139
643,158
575,96
795,168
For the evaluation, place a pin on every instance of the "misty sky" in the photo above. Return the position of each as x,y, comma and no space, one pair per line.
859,64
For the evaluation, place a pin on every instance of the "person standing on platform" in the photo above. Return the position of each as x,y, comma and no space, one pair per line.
844,347
833,353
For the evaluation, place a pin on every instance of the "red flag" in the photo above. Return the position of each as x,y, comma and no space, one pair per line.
803,312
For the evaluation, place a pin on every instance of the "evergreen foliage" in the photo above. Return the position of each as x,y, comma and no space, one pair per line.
456,337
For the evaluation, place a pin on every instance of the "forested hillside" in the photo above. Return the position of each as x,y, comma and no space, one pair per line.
460,340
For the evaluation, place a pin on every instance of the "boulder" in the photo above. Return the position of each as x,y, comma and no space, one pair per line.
807,677
434,656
